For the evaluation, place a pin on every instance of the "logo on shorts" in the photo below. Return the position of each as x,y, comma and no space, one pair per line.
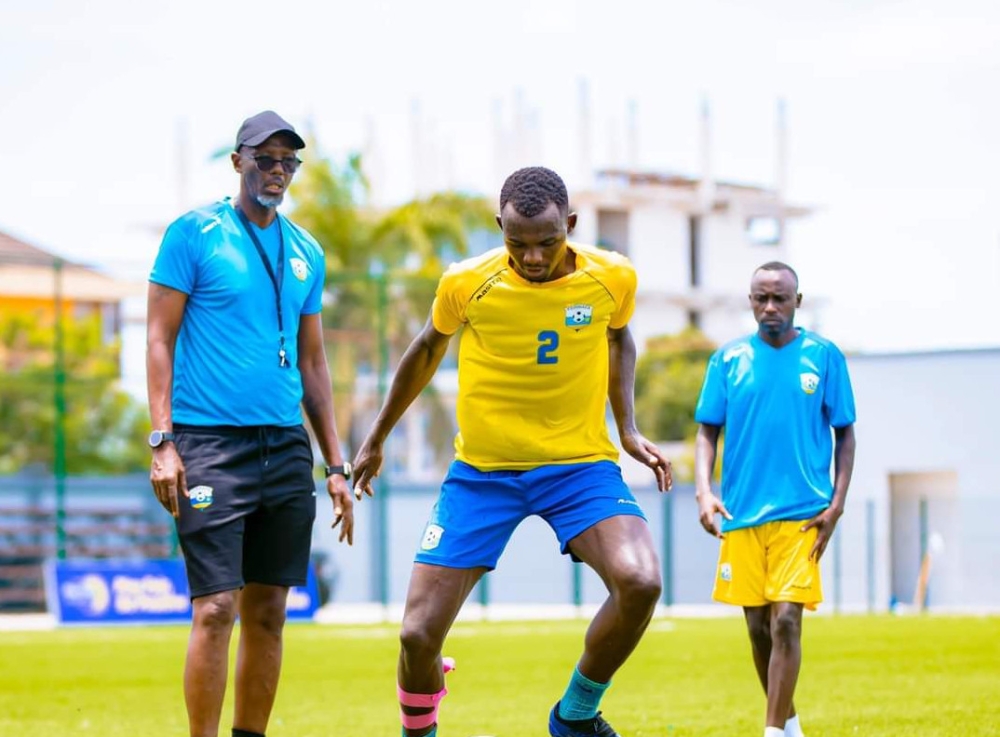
726,572
809,382
299,268
432,537
633,502
201,497
579,315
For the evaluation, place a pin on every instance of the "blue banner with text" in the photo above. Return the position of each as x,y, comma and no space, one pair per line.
142,591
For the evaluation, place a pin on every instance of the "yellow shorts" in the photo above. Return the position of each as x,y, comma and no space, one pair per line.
767,563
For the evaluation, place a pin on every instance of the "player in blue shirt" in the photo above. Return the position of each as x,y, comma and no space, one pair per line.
235,345
778,393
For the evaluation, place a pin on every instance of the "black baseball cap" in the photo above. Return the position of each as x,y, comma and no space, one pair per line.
258,128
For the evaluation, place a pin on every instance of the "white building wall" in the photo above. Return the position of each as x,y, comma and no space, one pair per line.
586,225
658,246
928,413
728,255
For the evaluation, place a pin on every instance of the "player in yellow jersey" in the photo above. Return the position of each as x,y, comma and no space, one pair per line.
544,345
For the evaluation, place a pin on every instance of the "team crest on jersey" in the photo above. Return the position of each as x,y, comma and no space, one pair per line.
201,496
810,382
299,268
432,537
579,315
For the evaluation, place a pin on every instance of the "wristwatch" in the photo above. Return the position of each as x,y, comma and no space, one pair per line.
344,470
159,437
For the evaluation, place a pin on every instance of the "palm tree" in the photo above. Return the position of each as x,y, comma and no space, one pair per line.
382,268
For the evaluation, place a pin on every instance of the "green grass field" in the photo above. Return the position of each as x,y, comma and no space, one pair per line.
861,676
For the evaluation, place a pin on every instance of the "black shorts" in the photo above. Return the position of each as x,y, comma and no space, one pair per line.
251,505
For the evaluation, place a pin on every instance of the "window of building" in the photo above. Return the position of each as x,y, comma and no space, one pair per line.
694,251
612,230
763,230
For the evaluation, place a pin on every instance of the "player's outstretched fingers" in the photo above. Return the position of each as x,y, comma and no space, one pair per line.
708,524
363,485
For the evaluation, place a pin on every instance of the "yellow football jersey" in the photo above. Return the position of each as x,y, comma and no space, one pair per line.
533,357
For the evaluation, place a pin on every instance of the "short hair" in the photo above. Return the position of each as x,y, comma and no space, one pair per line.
530,190
779,266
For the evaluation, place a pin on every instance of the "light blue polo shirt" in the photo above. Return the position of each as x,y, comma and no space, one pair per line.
778,406
226,366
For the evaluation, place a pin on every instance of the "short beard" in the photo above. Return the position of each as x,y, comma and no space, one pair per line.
270,201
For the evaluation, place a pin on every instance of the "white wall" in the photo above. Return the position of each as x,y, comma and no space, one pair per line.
728,256
927,413
659,248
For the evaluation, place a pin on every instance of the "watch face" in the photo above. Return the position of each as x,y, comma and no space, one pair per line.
158,438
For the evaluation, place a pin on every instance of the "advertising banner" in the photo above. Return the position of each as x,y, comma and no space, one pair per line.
142,591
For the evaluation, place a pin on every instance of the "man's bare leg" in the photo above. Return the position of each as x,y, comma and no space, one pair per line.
207,666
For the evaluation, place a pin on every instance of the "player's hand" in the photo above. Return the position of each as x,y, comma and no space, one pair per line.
166,473
343,507
367,464
825,522
710,505
647,453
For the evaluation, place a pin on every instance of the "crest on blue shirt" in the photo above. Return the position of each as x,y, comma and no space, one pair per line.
579,315
299,268
809,382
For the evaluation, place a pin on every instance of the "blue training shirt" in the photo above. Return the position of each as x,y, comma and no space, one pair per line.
778,406
226,367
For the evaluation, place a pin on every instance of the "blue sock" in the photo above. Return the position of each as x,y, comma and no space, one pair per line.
582,697
432,733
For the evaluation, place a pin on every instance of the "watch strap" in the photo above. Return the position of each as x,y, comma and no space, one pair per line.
341,470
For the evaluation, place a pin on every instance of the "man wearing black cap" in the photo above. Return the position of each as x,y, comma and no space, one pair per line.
234,347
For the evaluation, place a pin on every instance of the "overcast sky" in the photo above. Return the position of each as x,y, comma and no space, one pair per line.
893,114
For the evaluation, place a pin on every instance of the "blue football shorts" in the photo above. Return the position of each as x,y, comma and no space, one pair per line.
478,511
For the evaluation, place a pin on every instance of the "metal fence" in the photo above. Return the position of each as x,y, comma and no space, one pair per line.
120,517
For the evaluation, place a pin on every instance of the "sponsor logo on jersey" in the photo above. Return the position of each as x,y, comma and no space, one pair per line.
201,496
810,382
210,225
579,315
484,290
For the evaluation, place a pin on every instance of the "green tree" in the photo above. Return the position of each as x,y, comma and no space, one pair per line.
668,378
382,267
104,426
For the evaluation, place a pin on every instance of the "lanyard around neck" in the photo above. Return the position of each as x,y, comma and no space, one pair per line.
276,279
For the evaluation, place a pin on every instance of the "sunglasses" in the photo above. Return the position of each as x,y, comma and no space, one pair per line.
266,163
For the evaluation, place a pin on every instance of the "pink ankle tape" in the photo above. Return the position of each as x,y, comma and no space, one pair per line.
418,721
423,701
420,700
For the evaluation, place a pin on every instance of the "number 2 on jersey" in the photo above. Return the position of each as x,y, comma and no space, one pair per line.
548,343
